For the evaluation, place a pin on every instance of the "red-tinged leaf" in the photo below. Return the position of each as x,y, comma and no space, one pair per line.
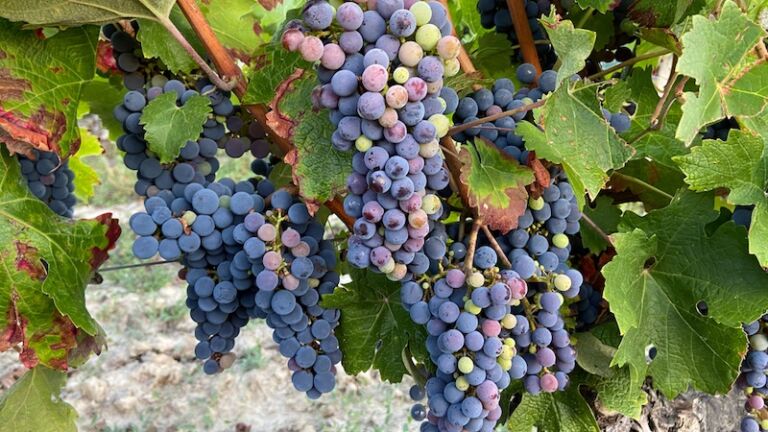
40,85
496,184
46,261
540,173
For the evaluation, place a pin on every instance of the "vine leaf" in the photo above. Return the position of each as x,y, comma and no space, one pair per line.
319,170
614,385
563,411
606,216
237,25
168,127
157,42
496,184
663,13
374,327
34,403
262,81
577,136
741,165
716,53
40,85
572,45
86,178
666,266
271,15
100,96
67,13
46,262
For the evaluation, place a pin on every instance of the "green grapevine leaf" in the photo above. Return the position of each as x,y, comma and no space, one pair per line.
157,42
375,327
739,164
758,232
599,5
40,85
168,127
238,24
663,13
34,403
491,56
594,356
572,46
263,80
564,411
666,266
75,12
577,136
270,16
86,178
606,216
100,97
496,184
716,53
46,263
662,37
614,385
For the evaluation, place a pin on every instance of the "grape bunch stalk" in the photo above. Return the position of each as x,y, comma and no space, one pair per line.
381,76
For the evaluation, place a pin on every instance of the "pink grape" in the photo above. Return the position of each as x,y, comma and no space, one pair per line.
548,383
292,39
311,48
375,78
417,89
271,260
333,57
397,96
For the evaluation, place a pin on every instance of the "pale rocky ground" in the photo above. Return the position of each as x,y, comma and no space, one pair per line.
148,379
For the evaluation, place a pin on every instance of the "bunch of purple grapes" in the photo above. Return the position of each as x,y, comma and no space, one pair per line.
753,378
465,318
50,180
503,97
588,307
495,14
381,73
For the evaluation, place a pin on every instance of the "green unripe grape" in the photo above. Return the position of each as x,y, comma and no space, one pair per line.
509,322
224,201
560,240
759,342
441,123
427,36
562,282
422,12
189,217
476,280
363,143
401,75
451,67
431,204
536,203
471,307
466,365
462,383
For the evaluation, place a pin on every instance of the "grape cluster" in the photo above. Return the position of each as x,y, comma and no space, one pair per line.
127,54
503,97
495,14
589,305
50,180
753,377
465,319
197,161
381,75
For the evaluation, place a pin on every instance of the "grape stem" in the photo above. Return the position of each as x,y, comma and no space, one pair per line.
129,266
655,122
637,182
524,34
224,63
453,161
471,246
630,62
495,245
220,82
480,121
597,229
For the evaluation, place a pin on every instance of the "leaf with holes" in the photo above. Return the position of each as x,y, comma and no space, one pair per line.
732,82
577,136
374,327
34,403
496,184
68,13
606,216
666,269
572,45
40,85
169,126
46,263
741,165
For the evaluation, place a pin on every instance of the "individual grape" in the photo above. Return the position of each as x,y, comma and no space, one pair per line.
319,15
311,48
349,16
427,36
402,23
526,73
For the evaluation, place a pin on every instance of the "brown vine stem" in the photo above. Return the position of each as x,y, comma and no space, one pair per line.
630,62
524,34
471,246
637,182
655,123
224,63
478,122
495,245
212,75
597,229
